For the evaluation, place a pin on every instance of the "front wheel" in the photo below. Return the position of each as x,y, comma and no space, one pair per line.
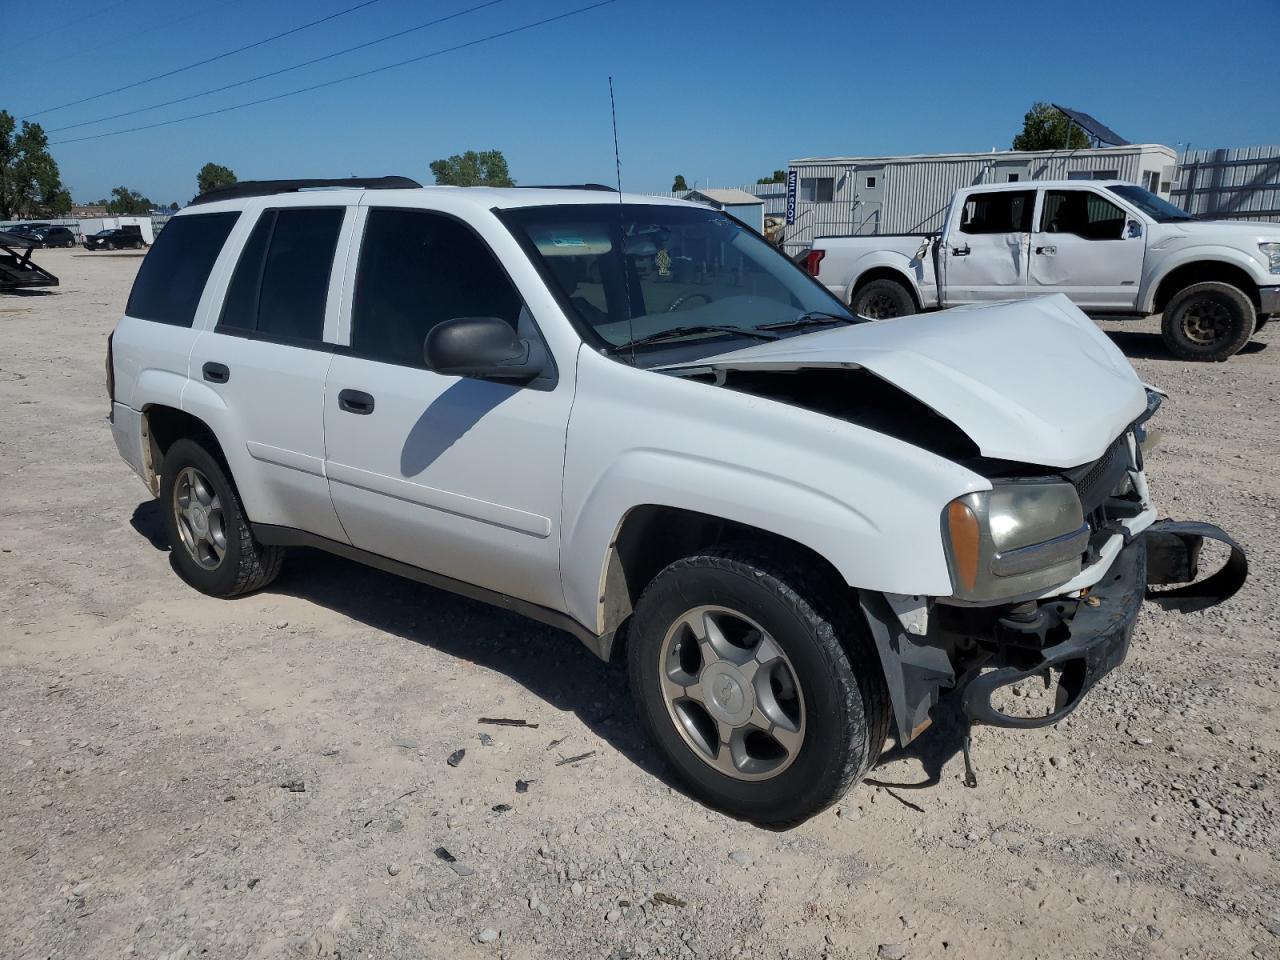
212,545
882,300
1208,321
758,682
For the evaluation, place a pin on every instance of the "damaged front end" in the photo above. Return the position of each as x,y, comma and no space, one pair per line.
988,649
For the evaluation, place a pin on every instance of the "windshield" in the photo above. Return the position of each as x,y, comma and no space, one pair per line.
646,276
104,233
1161,211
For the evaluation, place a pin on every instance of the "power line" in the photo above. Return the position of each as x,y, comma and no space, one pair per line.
73,23
276,73
354,76
201,63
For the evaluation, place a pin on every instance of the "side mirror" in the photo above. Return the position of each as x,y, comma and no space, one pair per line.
484,348
1133,229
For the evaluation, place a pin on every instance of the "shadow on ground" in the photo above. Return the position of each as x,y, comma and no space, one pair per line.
1150,346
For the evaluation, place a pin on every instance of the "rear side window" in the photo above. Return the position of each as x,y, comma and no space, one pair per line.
172,277
418,269
281,283
1007,211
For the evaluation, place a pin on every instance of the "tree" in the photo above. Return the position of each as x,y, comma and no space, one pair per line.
174,206
679,184
214,176
487,168
779,176
1045,127
125,202
30,184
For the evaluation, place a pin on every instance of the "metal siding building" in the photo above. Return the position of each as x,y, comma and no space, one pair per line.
870,195
1242,183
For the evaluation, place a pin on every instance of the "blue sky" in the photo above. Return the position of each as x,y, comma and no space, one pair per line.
718,91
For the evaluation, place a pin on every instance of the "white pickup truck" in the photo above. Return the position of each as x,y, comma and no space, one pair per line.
1114,248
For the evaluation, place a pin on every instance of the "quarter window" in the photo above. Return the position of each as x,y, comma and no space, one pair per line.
172,277
281,283
1083,213
1006,211
418,269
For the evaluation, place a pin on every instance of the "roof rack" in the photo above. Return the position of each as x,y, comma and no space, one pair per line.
570,186
265,188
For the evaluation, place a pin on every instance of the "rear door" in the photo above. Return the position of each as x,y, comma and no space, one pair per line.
460,477
986,250
266,358
1088,247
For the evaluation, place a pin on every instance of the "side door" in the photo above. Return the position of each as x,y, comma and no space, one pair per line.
266,358
1088,247
985,254
457,476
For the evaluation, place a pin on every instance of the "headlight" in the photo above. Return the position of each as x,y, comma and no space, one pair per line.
1271,252
1019,537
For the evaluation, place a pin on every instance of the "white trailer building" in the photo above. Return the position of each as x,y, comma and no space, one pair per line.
842,196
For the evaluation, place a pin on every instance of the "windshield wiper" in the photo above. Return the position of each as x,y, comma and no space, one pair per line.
676,333
812,318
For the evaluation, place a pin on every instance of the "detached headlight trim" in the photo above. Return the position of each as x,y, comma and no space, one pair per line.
1020,537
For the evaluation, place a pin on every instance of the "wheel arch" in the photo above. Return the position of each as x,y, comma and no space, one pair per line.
162,426
886,272
1203,269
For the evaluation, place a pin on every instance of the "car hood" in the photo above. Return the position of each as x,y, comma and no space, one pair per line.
1033,381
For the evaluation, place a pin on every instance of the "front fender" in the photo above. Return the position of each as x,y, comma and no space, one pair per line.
1199,254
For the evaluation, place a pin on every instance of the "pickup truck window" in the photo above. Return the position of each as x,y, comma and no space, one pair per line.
1083,213
418,269
172,277
1003,211
282,280
1159,210
627,271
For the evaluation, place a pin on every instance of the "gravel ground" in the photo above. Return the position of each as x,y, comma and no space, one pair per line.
267,777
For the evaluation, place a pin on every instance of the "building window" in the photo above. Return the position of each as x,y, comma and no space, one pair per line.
1151,180
1093,174
871,183
1013,178
817,189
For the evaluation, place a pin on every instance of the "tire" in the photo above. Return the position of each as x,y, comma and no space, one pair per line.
882,300
828,683
244,564
137,245
1208,321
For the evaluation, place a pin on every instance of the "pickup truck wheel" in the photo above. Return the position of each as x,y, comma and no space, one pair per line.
882,299
758,683
1208,321
212,545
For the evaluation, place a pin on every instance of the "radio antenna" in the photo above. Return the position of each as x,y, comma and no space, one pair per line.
622,245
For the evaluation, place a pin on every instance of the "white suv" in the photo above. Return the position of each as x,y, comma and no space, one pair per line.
631,417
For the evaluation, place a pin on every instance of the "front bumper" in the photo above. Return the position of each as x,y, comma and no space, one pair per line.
1081,641
1268,300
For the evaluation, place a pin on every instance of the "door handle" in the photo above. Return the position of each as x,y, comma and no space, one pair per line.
960,251
355,401
216,372
1047,251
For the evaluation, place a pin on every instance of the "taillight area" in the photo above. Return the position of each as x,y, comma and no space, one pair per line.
111,373
813,261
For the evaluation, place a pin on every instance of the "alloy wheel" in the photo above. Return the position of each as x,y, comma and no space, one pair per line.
1206,321
732,693
200,519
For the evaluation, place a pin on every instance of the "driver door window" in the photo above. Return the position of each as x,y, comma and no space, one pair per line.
1083,213
1082,249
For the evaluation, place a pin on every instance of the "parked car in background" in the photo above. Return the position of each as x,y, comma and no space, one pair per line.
1113,248
50,236
636,418
116,238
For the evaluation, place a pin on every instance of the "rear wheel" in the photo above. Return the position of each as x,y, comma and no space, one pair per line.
883,299
213,548
1208,321
758,683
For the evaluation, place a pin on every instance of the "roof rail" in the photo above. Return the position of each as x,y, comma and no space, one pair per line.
265,188
570,186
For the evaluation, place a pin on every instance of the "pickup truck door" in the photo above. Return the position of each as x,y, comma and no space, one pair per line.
460,477
1088,247
984,256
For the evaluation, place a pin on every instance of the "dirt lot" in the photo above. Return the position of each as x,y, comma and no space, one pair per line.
267,777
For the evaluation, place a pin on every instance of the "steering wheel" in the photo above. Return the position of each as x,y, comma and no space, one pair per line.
679,302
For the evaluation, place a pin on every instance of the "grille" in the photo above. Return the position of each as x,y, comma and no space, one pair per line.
1096,482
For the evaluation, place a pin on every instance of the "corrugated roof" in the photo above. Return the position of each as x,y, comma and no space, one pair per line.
990,155
727,195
